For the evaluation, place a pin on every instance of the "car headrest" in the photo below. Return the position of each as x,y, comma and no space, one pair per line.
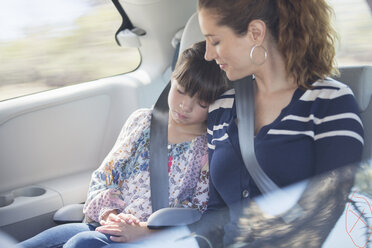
191,33
359,79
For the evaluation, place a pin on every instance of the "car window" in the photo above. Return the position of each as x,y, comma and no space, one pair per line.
353,23
46,44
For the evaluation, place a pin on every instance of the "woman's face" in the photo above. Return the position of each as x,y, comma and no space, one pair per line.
186,110
231,52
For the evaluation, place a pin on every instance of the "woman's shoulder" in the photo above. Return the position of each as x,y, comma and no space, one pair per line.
328,97
221,113
223,103
331,83
327,89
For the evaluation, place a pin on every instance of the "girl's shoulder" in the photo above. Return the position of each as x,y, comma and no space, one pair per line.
140,118
141,114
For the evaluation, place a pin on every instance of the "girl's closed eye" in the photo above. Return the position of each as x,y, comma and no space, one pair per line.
180,90
203,104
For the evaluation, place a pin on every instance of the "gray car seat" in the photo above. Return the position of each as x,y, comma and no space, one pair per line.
359,79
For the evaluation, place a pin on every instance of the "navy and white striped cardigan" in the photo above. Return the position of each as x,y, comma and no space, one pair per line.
320,130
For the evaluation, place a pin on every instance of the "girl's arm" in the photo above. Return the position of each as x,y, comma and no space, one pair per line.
105,194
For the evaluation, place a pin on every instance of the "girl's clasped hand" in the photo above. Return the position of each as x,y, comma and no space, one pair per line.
123,227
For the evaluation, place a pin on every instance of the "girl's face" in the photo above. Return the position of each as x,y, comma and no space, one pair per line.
186,110
231,52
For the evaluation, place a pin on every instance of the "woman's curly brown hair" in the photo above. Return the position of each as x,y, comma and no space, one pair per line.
302,30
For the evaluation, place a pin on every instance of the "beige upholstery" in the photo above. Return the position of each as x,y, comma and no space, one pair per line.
191,33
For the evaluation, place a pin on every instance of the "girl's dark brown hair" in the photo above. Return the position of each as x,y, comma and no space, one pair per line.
301,28
198,76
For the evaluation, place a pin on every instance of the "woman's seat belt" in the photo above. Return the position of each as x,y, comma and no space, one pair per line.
244,94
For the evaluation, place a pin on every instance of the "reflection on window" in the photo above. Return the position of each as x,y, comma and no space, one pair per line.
354,26
46,44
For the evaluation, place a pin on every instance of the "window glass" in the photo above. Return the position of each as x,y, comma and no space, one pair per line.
353,23
46,44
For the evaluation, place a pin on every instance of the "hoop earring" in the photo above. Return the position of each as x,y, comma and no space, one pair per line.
252,51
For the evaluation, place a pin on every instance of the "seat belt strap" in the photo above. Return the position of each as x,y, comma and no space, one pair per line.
158,151
244,94
159,176
158,148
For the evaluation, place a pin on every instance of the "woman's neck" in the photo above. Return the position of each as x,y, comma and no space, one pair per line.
274,90
272,76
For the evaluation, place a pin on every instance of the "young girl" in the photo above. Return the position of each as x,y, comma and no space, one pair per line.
119,192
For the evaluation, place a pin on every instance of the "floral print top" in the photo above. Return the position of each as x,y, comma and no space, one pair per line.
122,182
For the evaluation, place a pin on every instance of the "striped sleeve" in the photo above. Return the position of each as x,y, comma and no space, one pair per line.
338,132
337,129
218,118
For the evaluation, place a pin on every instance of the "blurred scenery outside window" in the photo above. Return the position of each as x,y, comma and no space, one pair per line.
47,44
353,24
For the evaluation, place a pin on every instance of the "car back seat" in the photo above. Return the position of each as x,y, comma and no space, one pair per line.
359,79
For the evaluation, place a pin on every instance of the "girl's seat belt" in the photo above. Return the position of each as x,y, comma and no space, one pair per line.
159,178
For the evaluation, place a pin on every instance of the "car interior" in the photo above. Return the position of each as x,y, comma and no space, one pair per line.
52,141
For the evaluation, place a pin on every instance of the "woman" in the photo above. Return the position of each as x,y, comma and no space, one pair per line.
119,192
305,123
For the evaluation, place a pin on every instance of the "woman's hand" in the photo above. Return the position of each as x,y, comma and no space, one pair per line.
121,231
